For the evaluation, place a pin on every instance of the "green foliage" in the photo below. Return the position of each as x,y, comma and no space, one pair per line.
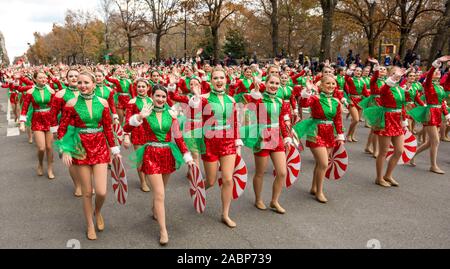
207,44
235,44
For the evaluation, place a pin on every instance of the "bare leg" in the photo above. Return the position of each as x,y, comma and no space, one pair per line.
321,156
40,144
398,142
383,143
433,136
424,146
101,186
227,165
49,151
76,181
144,186
211,173
355,120
120,112
84,172
157,184
30,135
279,163
260,168
369,143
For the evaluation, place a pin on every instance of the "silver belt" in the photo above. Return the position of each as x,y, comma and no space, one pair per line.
91,130
42,109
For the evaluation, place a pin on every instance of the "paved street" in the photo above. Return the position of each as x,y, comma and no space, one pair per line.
38,213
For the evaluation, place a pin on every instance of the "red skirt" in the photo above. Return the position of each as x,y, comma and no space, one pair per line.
325,137
435,117
13,98
393,125
218,147
271,147
41,121
158,160
355,101
97,151
123,101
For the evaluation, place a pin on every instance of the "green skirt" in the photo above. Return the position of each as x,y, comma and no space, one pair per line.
71,144
420,114
368,102
308,128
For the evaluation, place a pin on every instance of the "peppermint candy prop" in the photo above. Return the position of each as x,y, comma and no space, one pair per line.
338,163
293,164
118,131
410,148
119,180
239,177
197,188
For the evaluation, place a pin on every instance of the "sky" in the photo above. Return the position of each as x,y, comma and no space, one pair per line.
19,19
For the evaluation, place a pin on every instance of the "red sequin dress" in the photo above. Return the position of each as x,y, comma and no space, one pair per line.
326,121
137,134
272,113
160,155
220,125
41,100
356,89
95,132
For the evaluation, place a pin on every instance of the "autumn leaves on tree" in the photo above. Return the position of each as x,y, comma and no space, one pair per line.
139,30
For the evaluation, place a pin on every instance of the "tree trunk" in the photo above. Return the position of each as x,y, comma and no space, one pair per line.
215,37
404,33
289,44
130,48
158,47
328,7
274,24
442,36
371,43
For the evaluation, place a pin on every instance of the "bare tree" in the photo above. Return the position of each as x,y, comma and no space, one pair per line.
271,10
442,36
371,15
106,8
216,12
409,12
133,22
163,18
328,9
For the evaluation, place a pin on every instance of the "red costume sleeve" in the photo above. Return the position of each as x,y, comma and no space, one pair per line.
178,136
285,111
26,104
107,127
338,120
118,87
66,120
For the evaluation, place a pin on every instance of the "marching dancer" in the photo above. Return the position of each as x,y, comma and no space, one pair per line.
389,121
86,139
356,88
159,157
323,130
273,114
221,137
431,115
136,135
43,123
61,98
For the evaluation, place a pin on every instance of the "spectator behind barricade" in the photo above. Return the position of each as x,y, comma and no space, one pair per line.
358,61
301,58
349,60
387,60
397,61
